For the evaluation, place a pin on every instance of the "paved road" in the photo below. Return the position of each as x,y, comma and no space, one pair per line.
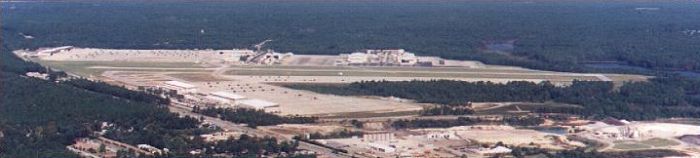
230,126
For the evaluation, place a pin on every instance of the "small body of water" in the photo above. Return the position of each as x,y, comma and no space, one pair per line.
553,130
617,66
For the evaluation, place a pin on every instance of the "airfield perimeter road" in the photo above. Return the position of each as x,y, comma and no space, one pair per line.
230,126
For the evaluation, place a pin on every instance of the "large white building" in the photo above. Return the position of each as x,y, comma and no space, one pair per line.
358,58
407,59
258,104
180,87
398,57
224,98
381,136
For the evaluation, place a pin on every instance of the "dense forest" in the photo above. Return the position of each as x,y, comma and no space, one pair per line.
659,98
581,153
465,121
561,35
101,87
247,146
445,110
345,133
523,152
40,118
252,118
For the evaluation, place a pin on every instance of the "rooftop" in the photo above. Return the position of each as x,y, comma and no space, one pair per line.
258,104
496,150
227,95
179,84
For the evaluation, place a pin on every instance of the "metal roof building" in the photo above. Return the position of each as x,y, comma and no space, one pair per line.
224,98
180,86
257,104
227,95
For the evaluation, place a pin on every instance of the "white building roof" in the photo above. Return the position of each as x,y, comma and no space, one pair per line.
227,95
408,55
357,57
358,54
180,84
258,104
219,99
496,150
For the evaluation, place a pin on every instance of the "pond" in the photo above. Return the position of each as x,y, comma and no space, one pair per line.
552,130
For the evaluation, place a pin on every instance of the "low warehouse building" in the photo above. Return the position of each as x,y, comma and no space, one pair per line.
224,98
357,58
380,136
180,87
258,104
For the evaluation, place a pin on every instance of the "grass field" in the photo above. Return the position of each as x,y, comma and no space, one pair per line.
403,73
200,77
83,68
630,145
644,144
660,142
493,68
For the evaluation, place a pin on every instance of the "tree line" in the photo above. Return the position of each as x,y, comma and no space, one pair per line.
660,97
252,117
565,37
465,121
121,92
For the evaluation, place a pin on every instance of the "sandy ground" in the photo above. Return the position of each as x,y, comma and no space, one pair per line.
408,146
291,130
298,102
292,102
509,135
642,135
451,142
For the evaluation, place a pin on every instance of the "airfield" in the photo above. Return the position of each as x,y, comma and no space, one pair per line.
224,70
260,75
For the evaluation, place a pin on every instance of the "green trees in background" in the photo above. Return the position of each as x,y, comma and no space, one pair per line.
659,98
40,118
121,92
553,35
253,118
